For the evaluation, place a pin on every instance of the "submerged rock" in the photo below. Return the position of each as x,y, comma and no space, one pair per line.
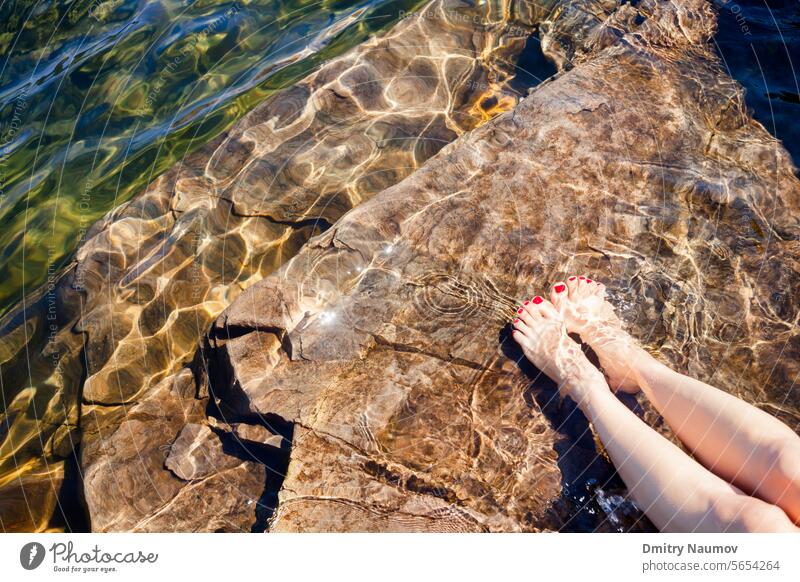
127,452
369,383
149,279
384,341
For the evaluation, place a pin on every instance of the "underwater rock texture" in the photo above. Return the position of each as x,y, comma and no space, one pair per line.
150,278
383,341
369,384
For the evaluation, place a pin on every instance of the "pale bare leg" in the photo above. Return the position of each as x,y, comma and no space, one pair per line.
675,491
740,443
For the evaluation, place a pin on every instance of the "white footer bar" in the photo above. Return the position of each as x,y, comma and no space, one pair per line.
406,557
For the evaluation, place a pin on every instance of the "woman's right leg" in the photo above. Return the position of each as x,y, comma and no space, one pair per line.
740,443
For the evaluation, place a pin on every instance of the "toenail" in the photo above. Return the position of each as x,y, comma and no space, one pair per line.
560,288
526,302
588,280
537,300
572,278
581,277
515,321
519,310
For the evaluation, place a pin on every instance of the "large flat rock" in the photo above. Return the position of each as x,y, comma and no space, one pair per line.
127,314
384,341
368,383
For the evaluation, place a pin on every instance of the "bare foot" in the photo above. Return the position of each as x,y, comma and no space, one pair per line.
540,331
585,310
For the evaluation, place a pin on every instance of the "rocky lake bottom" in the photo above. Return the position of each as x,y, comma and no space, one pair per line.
297,318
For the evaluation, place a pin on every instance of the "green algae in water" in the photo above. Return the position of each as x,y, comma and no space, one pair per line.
97,98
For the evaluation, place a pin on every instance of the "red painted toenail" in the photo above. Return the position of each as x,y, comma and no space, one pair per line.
519,310
572,278
588,280
560,288
537,300
581,277
526,302
515,321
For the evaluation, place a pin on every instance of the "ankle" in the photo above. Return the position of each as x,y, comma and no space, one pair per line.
646,370
583,383
599,329
602,336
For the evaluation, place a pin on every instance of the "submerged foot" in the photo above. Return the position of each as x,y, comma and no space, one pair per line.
583,306
540,331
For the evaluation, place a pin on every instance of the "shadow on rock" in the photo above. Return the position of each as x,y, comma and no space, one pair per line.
586,473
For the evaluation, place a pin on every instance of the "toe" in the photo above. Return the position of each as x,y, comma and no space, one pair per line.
536,301
572,284
558,292
520,326
548,310
518,315
530,312
520,337
584,284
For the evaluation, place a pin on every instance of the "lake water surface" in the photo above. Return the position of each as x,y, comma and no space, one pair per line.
98,98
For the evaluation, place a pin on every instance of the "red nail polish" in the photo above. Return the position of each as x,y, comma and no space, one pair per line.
519,310
581,277
588,280
537,300
515,321
572,278
560,288
526,302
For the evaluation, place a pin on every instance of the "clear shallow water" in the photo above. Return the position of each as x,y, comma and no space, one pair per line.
97,98
87,132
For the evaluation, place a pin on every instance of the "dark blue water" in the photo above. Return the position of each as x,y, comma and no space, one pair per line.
759,42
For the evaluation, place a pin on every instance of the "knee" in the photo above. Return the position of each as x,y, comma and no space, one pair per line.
760,516
786,484
741,513
787,463
781,469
